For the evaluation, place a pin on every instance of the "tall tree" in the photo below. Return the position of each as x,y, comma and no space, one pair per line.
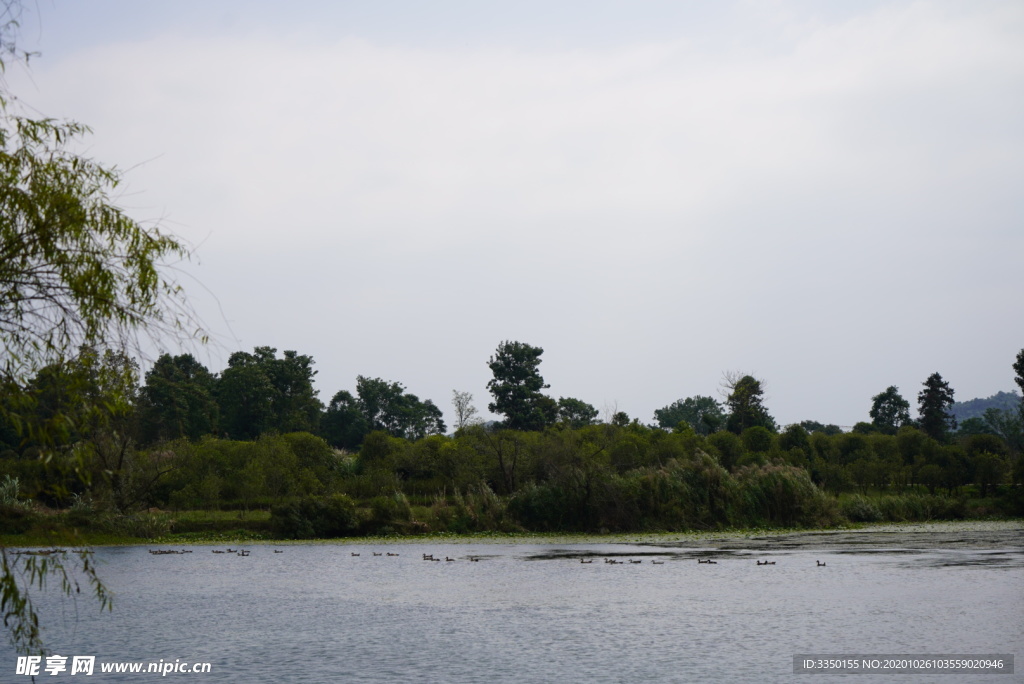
245,395
746,409
516,387
177,400
259,392
343,424
934,402
704,414
295,406
889,411
420,418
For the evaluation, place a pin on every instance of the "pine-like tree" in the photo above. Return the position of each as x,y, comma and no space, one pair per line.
934,403
517,386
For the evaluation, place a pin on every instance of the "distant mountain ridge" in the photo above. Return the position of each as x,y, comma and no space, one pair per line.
975,408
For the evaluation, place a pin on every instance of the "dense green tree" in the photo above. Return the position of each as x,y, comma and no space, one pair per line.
620,419
703,414
728,447
343,424
912,443
794,437
258,392
933,403
294,405
177,400
990,470
889,411
507,455
386,406
516,387
576,413
976,444
421,418
852,446
381,403
745,405
863,428
245,395
757,439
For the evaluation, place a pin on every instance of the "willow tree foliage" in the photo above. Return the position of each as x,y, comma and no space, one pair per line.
75,272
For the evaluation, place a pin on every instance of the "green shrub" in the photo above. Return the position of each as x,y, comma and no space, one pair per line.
140,525
15,515
387,513
541,508
15,519
315,518
782,495
920,507
859,508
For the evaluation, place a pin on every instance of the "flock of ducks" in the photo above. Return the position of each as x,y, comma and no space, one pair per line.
430,557
237,552
378,554
167,552
46,552
426,557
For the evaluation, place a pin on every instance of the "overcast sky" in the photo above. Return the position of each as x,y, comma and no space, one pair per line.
829,196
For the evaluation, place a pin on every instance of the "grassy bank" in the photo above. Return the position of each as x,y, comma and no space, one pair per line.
930,534
64,529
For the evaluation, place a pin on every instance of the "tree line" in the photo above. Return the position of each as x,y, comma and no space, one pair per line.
260,392
256,436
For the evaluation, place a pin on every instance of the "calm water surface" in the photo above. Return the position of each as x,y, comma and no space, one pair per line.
535,613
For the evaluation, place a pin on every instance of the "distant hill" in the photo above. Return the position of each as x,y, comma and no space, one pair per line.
974,408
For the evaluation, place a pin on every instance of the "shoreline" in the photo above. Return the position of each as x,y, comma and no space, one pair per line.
947,534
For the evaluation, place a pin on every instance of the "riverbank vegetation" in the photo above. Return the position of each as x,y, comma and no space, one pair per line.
162,457
598,478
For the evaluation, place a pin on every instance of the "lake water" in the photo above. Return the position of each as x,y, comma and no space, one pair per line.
535,613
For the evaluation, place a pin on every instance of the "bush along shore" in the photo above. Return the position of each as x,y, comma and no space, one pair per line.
598,479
